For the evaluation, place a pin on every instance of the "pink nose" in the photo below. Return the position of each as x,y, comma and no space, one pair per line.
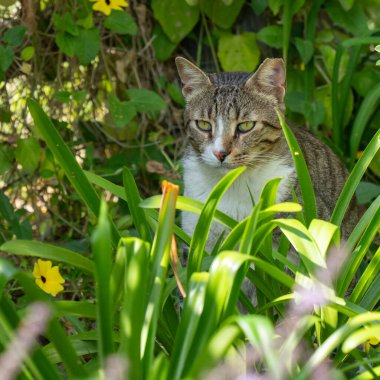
221,154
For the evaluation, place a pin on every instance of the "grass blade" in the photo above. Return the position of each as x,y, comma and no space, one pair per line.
304,180
366,278
198,242
368,106
160,254
354,179
135,302
190,205
66,160
133,200
48,251
187,329
102,249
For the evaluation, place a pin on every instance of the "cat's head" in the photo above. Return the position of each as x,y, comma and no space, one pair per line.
231,117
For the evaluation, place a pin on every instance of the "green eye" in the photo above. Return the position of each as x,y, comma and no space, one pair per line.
246,126
204,126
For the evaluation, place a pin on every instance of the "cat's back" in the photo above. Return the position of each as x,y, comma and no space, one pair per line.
329,175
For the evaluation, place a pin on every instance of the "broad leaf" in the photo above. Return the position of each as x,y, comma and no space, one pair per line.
121,23
176,17
238,52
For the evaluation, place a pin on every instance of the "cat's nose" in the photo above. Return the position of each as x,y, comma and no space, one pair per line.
220,154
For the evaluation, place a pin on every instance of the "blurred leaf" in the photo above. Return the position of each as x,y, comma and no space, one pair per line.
175,93
259,6
87,45
220,13
163,47
121,112
101,243
13,37
63,96
346,4
146,100
66,43
328,55
365,79
323,94
121,23
79,96
27,53
65,23
353,20
87,22
5,115
6,158
271,35
28,153
176,17
275,5
367,108
366,192
6,58
305,49
238,52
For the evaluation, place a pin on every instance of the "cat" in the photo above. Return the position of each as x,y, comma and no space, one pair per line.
231,121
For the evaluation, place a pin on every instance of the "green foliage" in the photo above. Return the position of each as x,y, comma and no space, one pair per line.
244,54
137,313
97,87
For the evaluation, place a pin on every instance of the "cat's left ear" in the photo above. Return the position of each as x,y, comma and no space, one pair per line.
192,77
271,75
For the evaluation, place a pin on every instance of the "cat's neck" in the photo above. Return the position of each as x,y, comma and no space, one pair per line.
201,178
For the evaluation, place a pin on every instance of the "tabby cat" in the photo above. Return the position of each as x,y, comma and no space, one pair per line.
231,121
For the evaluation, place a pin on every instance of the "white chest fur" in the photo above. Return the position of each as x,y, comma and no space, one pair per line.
200,179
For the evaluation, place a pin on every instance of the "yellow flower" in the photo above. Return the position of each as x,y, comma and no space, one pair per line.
373,341
106,6
48,277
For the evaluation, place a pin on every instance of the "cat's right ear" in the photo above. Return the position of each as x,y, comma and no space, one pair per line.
192,77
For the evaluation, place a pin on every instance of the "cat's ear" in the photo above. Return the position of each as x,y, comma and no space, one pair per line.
192,77
270,74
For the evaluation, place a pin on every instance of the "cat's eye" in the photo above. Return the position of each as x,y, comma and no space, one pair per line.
204,126
246,126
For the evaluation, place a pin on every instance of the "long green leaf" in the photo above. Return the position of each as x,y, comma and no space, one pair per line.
152,215
102,249
354,179
352,264
190,319
189,205
368,106
66,160
304,179
133,200
159,263
198,242
366,278
48,251
134,303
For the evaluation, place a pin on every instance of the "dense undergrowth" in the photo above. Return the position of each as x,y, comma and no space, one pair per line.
78,185
298,326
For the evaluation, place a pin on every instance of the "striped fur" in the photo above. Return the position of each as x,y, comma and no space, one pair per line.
225,100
